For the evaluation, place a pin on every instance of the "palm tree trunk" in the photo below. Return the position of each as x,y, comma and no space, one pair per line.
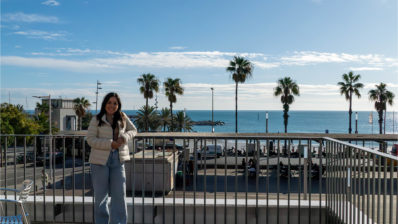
285,119
350,115
146,122
236,107
380,112
80,123
171,115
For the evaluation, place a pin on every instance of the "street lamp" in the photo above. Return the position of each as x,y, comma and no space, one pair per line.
96,93
356,122
212,110
266,122
50,132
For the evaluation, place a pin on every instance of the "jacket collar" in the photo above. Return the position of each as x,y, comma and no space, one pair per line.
104,120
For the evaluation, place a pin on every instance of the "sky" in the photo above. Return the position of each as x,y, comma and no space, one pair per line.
62,47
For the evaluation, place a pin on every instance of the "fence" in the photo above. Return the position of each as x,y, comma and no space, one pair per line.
211,178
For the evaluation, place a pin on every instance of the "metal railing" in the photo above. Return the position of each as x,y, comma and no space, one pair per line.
283,179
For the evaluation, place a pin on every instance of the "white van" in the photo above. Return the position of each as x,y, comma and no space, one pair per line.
211,151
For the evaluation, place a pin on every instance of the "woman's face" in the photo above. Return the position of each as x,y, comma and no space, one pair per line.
111,106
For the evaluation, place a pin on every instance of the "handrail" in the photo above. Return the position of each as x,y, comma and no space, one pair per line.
364,149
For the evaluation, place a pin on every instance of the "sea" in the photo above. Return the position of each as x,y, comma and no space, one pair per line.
253,121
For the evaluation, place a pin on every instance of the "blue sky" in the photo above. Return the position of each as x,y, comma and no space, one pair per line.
62,47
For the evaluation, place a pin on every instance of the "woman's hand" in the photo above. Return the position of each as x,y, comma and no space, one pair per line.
116,144
121,141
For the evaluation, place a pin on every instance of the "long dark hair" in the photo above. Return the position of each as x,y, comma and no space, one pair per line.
118,114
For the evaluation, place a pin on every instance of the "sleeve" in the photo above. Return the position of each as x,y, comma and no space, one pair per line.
131,130
93,140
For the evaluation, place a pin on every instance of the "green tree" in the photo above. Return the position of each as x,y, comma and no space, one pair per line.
349,87
80,107
149,84
165,118
381,96
86,120
241,69
183,122
42,107
14,121
146,115
172,89
287,89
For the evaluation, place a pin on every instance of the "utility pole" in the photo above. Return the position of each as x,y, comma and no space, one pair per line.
212,110
49,134
96,96
356,122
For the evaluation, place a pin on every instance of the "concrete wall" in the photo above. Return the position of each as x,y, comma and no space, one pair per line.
158,211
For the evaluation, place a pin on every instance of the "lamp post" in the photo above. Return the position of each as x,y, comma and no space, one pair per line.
212,110
266,122
96,93
50,132
356,122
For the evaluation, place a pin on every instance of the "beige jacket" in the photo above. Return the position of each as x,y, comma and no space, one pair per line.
100,140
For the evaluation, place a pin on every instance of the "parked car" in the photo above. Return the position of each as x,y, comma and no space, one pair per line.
58,156
29,157
211,151
167,146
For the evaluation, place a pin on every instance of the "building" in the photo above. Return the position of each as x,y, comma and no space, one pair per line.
63,115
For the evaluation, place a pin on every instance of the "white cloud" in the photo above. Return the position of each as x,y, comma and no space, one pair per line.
313,57
366,69
29,18
201,59
69,65
38,34
177,48
50,3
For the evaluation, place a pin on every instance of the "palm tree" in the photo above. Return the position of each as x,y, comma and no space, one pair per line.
149,84
146,116
348,87
183,122
241,70
42,107
165,118
172,88
287,88
80,107
381,96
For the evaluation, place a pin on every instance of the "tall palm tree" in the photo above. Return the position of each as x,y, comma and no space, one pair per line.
42,107
381,96
349,87
80,107
287,89
172,89
165,118
183,122
241,69
149,84
146,115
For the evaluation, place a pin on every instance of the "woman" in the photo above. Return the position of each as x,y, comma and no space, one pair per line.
108,134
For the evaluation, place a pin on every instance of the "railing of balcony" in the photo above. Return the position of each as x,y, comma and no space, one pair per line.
211,178
361,184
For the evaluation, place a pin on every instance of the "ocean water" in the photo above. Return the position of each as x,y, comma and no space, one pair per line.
299,121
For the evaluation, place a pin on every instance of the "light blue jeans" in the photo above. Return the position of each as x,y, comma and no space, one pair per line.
110,180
